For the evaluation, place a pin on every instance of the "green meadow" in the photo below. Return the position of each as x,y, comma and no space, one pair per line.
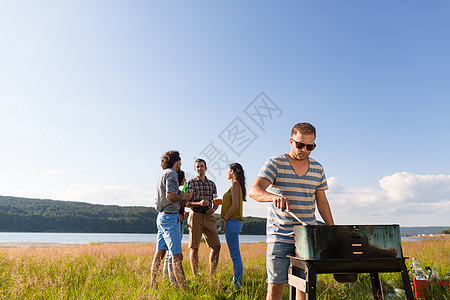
122,271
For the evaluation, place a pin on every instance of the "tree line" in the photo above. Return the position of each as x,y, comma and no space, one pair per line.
43,215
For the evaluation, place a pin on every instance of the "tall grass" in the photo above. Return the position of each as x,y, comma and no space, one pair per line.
433,252
122,271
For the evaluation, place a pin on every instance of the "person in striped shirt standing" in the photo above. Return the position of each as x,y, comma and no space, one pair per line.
295,183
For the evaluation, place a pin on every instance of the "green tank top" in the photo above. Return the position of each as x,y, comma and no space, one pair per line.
226,205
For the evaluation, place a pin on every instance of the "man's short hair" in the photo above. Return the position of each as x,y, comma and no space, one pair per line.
198,160
169,159
303,128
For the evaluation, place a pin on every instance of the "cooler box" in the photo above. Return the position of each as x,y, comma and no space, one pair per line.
420,287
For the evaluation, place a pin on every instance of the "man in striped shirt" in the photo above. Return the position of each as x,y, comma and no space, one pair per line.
296,183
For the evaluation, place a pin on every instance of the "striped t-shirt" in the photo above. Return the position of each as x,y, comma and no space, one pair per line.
300,191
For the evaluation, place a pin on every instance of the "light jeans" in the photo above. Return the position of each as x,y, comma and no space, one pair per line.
278,262
167,268
232,237
169,234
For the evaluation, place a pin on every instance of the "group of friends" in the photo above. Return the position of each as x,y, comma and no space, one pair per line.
292,182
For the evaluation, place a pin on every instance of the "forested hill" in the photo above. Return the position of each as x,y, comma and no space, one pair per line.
37,215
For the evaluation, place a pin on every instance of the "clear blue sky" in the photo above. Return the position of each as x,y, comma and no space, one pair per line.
92,93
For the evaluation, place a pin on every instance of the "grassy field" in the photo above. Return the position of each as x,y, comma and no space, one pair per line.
122,271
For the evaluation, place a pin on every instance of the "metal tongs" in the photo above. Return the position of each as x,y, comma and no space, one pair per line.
295,217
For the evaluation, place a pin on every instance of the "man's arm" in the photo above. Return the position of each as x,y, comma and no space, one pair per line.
324,207
258,192
175,197
190,204
172,193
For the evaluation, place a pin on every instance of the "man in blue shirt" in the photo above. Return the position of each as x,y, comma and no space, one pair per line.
297,184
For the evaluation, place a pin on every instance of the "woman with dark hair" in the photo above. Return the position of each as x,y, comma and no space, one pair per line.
231,214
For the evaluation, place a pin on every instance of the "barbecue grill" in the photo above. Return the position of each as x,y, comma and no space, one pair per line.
346,250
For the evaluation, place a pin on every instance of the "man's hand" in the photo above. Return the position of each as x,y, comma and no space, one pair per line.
186,196
258,192
281,203
210,211
204,203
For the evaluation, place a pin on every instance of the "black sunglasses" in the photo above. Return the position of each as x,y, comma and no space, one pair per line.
309,147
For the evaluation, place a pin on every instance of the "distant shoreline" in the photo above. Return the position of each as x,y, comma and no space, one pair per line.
36,239
44,244
441,235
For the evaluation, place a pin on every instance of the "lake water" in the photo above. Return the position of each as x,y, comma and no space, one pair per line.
8,239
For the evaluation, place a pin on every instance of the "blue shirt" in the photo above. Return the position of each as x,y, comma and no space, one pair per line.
300,191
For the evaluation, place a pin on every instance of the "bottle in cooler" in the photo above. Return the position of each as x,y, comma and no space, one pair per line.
417,270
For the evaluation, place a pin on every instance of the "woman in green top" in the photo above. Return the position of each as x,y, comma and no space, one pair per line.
231,215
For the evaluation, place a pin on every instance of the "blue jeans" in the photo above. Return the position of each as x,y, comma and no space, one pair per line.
232,237
169,233
167,268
